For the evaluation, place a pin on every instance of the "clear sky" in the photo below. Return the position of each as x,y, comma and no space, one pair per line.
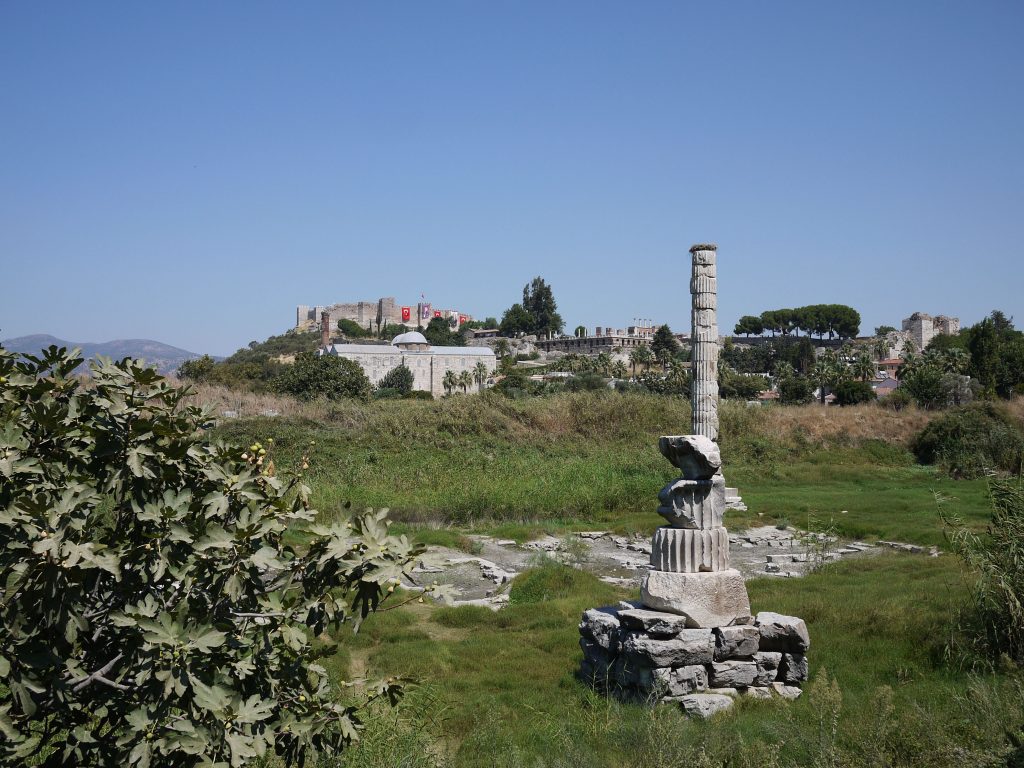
191,171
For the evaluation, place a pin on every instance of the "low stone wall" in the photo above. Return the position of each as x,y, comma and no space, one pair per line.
641,655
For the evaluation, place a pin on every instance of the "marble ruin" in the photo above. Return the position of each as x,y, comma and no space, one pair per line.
692,638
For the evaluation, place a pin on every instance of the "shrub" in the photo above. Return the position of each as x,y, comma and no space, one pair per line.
352,329
896,400
970,440
399,378
853,392
995,624
153,611
550,580
327,377
796,390
586,382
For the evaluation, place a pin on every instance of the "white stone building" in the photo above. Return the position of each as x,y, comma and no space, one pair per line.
428,364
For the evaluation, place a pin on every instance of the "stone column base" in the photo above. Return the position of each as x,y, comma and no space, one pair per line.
716,599
648,656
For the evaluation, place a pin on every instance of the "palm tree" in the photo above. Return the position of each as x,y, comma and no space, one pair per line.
480,374
619,369
678,375
465,381
881,348
864,367
449,382
663,356
826,372
639,356
501,348
957,360
603,363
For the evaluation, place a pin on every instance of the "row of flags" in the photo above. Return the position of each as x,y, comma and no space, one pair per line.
425,312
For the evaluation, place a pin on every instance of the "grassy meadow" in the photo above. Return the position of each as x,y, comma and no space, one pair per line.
519,468
499,689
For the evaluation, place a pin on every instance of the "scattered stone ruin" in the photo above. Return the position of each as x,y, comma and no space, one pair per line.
691,638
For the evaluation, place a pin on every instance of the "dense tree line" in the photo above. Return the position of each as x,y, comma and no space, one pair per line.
991,352
835,320
255,367
537,314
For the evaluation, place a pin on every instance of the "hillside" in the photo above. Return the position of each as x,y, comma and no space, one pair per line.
163,357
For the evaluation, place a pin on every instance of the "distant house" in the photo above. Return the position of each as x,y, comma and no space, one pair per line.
885,387
890,366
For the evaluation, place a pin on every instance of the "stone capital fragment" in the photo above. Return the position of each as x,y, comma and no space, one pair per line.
697,456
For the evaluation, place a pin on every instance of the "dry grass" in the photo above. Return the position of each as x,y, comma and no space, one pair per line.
604,415
821,425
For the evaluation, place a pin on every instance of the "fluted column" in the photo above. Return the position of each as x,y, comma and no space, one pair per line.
704,319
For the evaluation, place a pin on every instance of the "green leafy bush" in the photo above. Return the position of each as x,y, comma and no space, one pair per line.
795,390
328,377
995,624
399,378
971,440
152,610
852,392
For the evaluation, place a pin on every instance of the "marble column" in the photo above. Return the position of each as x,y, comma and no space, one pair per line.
704,317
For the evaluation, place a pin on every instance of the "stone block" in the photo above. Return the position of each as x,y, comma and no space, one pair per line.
717,599
704,705
758,692
787,691
688,679
632,672
685,550
658,624
690,646
602,626
736,642
732,674
767,667
693,503
793,668
787,634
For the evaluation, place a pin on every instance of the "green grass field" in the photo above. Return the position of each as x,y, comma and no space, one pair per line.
591,460
499,689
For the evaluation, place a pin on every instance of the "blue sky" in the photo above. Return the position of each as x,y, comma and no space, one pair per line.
189,172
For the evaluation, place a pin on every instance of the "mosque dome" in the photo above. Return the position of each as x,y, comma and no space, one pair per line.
410,340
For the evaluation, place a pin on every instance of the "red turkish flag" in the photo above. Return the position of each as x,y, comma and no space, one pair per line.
462,319
406,314
437,313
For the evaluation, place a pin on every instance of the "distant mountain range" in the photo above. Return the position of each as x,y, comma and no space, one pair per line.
163,357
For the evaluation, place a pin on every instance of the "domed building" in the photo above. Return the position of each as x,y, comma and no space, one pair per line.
428,364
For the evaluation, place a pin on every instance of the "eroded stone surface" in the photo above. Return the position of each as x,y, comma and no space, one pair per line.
696,456
717,599
654,623
793,668
767,667
690,646
736,642
704,705
787,691
732,674
683,550
787,634
693,503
